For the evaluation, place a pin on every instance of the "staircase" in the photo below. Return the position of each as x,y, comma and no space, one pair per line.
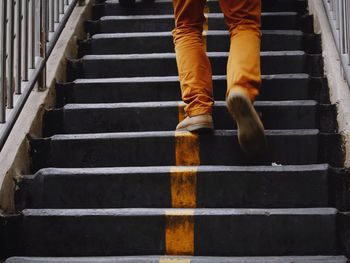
113,182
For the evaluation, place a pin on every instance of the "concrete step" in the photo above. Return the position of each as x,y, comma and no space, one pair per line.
164,64
114,90
216,41
152,187
207,232
163,259
159,149
159,23
112,8
164,116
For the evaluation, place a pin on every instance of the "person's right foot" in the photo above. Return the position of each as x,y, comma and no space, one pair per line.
251,135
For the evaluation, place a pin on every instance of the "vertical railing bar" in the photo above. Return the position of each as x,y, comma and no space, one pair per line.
10,58
346,25
341,26
57,11
52,15
3,41
19,47
37,29
43,40
32,35
348,29
61,6
25,41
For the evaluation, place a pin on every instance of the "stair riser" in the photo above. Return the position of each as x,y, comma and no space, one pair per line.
161,8
220,149
164,44
114,67
253,188
214,235
165,118
282,21
113,92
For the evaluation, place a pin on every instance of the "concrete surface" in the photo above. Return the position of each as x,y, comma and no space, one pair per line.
338,87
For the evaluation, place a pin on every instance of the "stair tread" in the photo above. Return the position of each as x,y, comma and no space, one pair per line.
177,211
164,16
121,135
172,55
210,32
201,168
154,259
176,78
77,106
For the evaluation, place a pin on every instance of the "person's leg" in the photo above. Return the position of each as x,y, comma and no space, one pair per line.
192,62
243,18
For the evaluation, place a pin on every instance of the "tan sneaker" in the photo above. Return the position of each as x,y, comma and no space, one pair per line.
251,135
196,123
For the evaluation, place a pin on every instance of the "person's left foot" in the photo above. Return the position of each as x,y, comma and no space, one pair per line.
200,123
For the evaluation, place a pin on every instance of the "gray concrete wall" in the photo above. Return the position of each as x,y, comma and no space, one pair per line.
339,89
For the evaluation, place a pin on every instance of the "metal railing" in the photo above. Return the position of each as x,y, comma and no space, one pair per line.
338,12
29,29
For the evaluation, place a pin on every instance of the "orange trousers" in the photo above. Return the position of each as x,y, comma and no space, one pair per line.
243,18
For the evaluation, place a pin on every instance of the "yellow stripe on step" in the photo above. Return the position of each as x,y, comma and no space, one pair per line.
187,149
183,187
179,232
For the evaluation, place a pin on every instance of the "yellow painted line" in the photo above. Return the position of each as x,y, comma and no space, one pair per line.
179,232
187,148
174,260
183,187
182,113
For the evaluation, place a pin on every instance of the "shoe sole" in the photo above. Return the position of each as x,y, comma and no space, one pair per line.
198,127
251,135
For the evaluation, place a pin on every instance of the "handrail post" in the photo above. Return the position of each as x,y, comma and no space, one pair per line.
10,56
18,89
25,36
43,41
3,41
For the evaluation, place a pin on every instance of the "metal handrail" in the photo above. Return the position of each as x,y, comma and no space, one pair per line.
338,12
29,30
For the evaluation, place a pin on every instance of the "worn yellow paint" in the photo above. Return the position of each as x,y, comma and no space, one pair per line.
174,260
206,26
182,113
179,233
183,186
187,148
